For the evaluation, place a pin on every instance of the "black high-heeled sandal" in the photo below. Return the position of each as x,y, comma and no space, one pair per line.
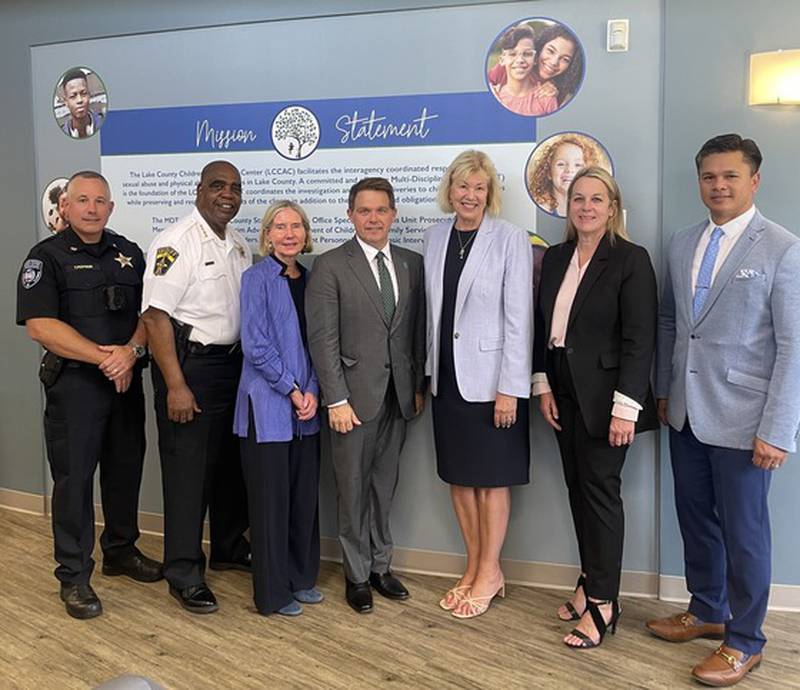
573,612
593,607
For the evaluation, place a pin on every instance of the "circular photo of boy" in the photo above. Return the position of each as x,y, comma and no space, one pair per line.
53,205
554,163
535,66
80,103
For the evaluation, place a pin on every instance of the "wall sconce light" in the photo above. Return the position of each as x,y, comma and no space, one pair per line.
775,78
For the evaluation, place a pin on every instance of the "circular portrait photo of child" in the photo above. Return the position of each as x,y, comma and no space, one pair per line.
535,66
554,163
53,205
80,103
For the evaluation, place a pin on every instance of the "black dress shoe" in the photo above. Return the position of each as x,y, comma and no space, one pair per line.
245,563
359,596
136,566
80,600
388,585
196,598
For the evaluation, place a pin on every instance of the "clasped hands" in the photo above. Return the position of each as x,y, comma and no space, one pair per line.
118,365
305,404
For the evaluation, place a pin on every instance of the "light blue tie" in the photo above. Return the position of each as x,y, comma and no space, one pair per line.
706,272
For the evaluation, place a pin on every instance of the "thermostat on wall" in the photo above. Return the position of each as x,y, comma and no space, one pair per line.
617,37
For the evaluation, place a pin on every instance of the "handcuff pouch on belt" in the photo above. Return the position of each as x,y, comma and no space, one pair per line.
50,368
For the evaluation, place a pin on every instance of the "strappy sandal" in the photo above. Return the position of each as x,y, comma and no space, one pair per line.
593,607
574,614
454,595
477,606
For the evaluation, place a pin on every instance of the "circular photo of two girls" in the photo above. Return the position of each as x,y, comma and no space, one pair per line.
535,66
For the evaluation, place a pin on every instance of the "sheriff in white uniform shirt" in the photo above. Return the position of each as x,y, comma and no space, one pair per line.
191,309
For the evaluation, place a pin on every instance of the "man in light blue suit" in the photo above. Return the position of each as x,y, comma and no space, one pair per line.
728,384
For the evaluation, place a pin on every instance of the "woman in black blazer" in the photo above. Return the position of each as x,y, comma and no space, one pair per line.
595,336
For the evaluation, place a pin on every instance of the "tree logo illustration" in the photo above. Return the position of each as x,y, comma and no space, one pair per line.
295,132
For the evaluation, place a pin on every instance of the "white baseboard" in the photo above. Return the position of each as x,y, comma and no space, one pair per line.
24,502
530,573
781,597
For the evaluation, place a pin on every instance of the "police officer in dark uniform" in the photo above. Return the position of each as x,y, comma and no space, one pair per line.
78,296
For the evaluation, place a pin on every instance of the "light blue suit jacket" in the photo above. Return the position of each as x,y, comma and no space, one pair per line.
493,332
735,371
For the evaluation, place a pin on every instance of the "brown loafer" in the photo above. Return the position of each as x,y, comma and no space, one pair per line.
683,627
727,666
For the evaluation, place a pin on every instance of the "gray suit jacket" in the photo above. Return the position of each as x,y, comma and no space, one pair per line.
736,370
493,343
353,347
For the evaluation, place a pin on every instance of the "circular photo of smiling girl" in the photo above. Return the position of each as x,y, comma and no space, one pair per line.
535,66
554,163
80,103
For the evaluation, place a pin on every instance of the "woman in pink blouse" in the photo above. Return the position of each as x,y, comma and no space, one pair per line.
595,337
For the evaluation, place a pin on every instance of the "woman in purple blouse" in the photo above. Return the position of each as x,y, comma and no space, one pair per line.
276,418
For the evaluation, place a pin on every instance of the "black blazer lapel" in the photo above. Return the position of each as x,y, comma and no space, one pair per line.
360,267
594,270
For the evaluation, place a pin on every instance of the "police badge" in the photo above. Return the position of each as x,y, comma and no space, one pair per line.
165,257
31,273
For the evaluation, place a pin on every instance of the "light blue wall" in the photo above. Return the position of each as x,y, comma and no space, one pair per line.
706,49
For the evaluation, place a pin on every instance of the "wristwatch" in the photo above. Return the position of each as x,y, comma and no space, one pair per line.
138,350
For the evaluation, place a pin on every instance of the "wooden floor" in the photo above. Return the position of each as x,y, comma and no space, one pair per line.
413,644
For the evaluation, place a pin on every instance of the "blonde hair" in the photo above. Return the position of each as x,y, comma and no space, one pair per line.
264,245
615,227
465,164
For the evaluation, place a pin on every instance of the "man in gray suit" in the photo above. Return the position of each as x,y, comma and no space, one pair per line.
728,384
366,333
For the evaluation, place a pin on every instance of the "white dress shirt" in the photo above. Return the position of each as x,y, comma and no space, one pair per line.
201,285
731,232
372,259
624,407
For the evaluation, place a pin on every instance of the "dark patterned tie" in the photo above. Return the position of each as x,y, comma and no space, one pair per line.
387,289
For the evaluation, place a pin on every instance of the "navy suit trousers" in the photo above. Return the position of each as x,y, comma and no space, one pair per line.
721,499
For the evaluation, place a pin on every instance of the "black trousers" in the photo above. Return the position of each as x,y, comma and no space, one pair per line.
87,422
282,480
200,470
592,471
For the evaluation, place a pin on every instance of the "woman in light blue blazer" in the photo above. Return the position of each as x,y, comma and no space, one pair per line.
478,280
276,418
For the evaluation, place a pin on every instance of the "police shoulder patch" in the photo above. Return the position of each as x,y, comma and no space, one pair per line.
165,257
31,273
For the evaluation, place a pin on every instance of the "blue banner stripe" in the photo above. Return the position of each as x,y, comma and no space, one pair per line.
416,120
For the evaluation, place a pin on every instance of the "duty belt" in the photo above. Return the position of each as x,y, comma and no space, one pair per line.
200,350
